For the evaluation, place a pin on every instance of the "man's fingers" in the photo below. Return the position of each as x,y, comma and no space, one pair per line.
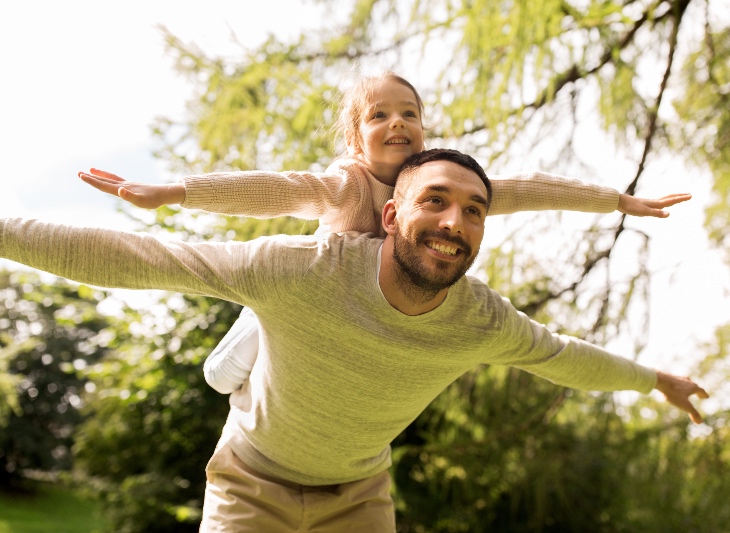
702,393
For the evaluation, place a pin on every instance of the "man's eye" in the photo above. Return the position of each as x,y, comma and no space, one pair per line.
435,200
474,211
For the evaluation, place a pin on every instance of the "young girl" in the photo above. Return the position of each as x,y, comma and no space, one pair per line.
380,119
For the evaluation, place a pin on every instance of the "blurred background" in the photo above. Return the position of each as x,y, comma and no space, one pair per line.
106,422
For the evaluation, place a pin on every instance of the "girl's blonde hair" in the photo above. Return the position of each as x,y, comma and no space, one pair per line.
355,101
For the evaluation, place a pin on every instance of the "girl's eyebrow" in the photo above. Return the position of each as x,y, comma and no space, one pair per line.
402,102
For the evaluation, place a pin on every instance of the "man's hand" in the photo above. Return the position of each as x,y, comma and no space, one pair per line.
146,195
641,207
677,390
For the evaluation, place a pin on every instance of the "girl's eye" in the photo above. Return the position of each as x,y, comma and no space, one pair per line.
378,114
411,114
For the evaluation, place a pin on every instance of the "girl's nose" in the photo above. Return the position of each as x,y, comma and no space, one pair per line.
397,122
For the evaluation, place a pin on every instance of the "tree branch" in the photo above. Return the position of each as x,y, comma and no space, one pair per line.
654,112
598,256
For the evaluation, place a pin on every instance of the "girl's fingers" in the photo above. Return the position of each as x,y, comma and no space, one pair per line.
104,185
670,200
88,178
103,173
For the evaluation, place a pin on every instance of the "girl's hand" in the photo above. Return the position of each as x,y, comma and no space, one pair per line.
146,195
641,207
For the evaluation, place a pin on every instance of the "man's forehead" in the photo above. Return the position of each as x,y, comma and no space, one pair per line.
446,174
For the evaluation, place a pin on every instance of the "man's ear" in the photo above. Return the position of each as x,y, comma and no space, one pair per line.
389,212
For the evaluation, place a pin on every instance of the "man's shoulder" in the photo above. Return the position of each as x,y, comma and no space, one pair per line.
482,294
477,285
343,246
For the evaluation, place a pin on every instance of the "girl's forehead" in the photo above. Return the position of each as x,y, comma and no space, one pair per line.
389,91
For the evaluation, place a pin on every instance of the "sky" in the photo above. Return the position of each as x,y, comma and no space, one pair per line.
82,82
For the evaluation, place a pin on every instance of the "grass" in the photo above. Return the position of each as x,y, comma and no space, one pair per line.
51,509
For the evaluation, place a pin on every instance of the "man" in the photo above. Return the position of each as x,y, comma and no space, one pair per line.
358,335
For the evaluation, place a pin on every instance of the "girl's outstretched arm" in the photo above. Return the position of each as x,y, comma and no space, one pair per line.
146,195
538,191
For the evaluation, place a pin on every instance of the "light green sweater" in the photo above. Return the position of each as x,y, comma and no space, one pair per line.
340,372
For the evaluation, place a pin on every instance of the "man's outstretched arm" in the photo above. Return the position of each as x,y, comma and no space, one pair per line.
115,259
572,362
677,391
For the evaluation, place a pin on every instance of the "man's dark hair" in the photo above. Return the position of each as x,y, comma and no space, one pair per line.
439,154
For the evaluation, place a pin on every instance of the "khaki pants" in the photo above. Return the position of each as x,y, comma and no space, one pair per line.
239,499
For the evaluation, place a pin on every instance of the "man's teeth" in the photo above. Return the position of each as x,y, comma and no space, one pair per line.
442,248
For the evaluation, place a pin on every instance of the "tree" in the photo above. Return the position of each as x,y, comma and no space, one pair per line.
48,334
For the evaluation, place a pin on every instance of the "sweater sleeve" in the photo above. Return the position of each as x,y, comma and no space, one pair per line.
270,194
566,360
538,191
243,272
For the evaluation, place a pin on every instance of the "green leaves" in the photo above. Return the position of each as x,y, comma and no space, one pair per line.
48,335
265,112
703,133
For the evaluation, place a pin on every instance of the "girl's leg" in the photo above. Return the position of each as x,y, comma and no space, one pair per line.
230,363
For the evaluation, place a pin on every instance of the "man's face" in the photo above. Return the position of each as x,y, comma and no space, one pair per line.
439,225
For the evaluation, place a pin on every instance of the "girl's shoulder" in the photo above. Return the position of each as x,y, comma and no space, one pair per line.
345,165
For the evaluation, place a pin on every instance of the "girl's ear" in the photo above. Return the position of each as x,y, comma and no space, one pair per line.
351,143
389,222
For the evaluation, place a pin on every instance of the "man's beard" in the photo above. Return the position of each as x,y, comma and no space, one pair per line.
413,269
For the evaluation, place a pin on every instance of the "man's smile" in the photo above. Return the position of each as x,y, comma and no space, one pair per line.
447,249
445,245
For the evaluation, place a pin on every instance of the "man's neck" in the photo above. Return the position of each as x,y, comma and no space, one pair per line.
400,291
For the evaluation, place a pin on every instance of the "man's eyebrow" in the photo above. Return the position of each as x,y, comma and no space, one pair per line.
478,198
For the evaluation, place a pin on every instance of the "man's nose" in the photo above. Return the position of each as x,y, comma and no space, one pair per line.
452,219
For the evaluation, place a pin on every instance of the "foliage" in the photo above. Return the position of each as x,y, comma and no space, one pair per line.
248,115
48,334
705,130
153,421
503,451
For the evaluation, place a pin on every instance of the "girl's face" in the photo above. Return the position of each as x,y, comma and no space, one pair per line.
390,130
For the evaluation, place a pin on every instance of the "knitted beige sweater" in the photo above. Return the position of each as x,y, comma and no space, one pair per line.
346,197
